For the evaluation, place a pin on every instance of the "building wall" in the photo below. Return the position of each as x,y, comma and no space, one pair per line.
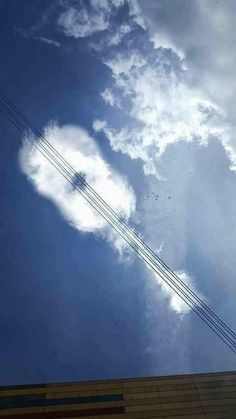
187,396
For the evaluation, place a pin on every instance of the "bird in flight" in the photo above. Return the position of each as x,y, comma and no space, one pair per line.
154,196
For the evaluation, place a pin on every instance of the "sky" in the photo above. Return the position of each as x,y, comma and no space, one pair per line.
140,98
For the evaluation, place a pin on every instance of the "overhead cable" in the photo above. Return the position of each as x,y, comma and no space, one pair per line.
119,224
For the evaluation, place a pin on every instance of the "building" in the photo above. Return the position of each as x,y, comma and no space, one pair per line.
183,396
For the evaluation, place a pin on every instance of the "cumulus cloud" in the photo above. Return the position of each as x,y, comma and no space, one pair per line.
173,97
91,18
204,35
208,48
164,110
81,151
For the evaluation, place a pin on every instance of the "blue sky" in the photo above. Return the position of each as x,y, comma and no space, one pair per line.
129,97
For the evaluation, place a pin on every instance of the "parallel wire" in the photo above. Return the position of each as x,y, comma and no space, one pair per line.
135,248
21,122
38,133
119,218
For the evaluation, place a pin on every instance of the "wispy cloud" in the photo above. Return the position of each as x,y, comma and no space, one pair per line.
30,35
108,97
48,41
89,19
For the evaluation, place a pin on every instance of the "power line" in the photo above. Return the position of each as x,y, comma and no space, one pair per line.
221,329
116,215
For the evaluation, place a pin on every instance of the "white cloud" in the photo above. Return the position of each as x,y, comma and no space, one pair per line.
80,150
114,36
108,97
80,24
99,125
136,13
203,33
47,41
160,248
85,21
176,302
164,110
124,63
30,35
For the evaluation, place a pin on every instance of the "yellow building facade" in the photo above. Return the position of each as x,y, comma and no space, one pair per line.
207,396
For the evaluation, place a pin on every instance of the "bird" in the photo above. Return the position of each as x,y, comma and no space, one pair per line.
153,195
